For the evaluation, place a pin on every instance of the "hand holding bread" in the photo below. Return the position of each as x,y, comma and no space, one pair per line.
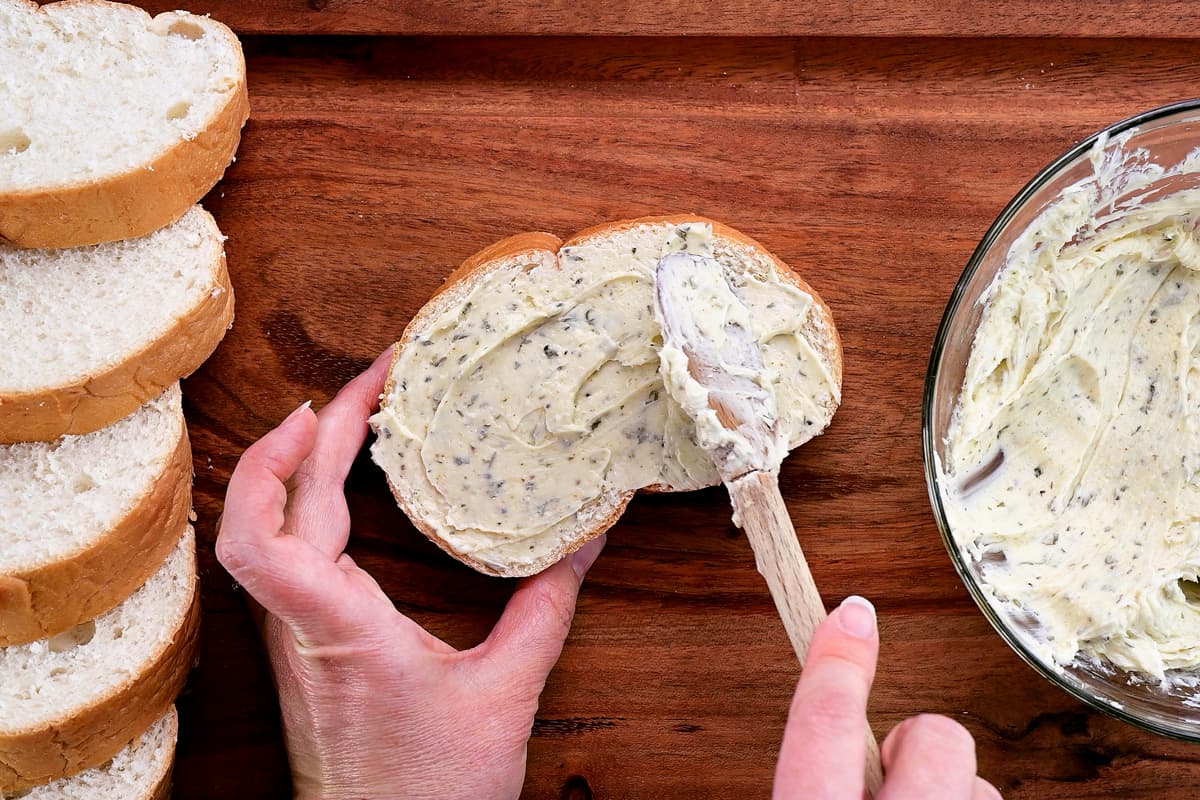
523,410
373,705
424,720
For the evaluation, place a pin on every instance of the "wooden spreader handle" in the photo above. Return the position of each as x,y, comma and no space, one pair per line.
763,515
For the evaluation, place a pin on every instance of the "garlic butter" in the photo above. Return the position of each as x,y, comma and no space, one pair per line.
709,356
1073,463
532,404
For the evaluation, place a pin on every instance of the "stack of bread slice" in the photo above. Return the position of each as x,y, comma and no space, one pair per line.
113,287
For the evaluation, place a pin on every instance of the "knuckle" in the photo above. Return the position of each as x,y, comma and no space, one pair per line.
228,554
836,709
236,557
847,667
246,561
264,455
274,463
553,605
258,452
312,468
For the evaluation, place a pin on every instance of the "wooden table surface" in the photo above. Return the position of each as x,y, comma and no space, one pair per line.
868,144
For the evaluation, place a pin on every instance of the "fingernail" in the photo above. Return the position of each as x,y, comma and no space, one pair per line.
299,408
856,616
583,558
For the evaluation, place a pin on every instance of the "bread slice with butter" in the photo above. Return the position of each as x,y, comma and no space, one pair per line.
112,123
524,408
91,333
85,520
142,771
71,702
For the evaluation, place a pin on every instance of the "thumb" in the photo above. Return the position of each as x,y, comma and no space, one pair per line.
289,577
827,724
529,636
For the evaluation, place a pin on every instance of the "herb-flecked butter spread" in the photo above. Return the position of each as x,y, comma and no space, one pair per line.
534,404
1073,467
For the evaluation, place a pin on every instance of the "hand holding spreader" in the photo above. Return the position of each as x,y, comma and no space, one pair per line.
713,368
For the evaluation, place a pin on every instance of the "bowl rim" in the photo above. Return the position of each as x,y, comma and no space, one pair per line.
931,375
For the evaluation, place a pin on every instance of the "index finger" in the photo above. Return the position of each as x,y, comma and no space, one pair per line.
342,425
824,745
317,504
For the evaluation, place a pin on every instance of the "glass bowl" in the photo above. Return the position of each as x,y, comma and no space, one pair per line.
1167,134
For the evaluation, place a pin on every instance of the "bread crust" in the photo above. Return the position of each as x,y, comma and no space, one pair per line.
52,598
162,787
140,200
500,251
463,279
86,738
162,790
100,400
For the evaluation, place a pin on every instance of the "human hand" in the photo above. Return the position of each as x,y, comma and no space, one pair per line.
824,744
374,706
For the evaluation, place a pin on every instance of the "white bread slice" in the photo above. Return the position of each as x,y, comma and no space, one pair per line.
111,123
142,771
72,702
86,520
430,338
91,333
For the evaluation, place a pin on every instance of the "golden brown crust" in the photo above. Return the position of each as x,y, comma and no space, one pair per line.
482,262
136,202
100,400
96,734
502,250
162,791
48,600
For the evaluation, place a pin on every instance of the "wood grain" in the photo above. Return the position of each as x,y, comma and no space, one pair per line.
371,167
1149,18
